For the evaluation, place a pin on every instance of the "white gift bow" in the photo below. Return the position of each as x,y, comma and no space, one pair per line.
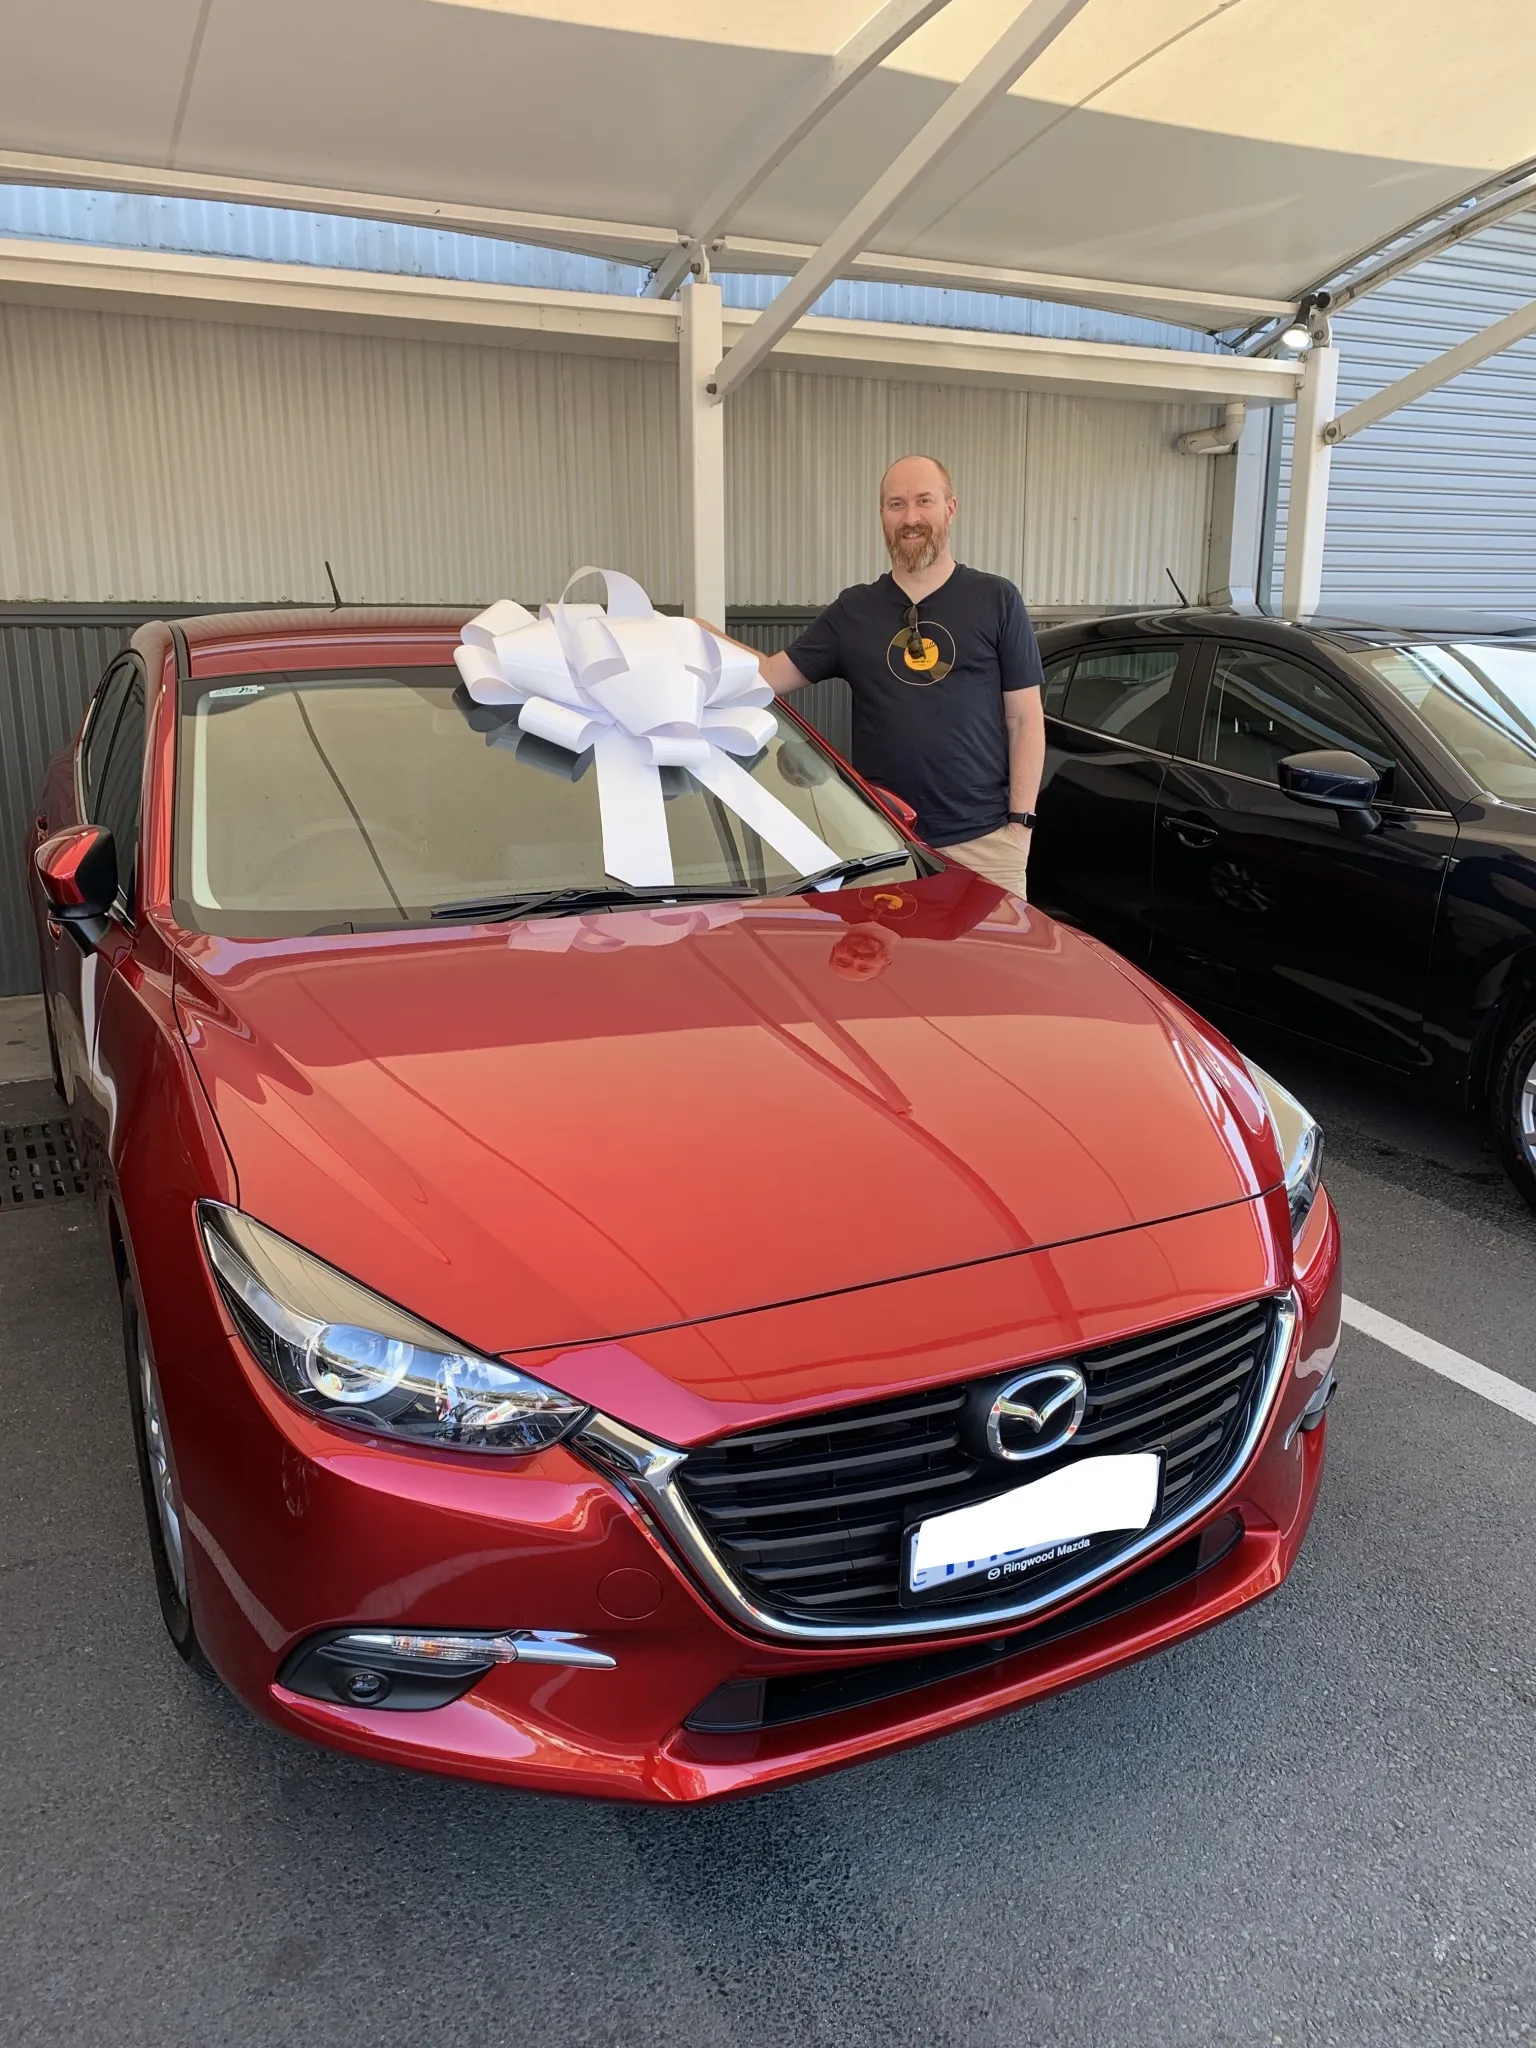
620,929
644,692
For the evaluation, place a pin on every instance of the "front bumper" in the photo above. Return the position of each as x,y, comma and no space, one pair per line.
298,1529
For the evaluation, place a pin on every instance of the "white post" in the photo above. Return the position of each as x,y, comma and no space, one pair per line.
701,435
1306,520
1237,515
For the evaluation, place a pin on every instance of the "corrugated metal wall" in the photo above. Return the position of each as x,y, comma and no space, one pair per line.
1433,509
147,460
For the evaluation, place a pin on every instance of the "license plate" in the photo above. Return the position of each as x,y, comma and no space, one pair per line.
1013,1536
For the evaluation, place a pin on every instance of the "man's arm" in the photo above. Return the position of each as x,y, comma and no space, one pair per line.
1024,717
777,670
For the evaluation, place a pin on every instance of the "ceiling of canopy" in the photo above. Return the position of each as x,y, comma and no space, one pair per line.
1226,147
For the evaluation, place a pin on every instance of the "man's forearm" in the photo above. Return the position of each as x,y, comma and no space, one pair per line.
1026,759
776,670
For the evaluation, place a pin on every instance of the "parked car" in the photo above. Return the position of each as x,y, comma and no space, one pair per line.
647,1345
1330,829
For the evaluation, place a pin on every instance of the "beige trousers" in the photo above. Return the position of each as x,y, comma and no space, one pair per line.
997,856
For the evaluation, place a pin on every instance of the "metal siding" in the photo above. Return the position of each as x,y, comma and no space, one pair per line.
1435,506
47,673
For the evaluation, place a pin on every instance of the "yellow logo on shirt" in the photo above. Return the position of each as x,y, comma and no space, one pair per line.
929,662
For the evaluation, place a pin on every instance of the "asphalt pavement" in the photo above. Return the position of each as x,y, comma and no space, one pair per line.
1316,1824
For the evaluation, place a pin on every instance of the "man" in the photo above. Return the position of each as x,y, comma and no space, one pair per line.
945,676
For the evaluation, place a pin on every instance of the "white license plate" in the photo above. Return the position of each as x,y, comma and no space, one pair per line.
1015,1534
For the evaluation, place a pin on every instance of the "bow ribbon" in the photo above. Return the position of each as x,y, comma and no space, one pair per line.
644,692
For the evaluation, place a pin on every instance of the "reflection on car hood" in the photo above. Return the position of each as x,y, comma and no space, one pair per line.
567,1129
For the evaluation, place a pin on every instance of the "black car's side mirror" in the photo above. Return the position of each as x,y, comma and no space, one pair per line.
1335,780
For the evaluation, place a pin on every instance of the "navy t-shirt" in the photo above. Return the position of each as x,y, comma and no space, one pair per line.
928,724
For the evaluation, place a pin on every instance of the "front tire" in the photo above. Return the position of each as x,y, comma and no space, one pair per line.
163,1511
1512,1109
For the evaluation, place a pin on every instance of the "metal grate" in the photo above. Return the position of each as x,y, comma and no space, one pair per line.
808,1515
40,1164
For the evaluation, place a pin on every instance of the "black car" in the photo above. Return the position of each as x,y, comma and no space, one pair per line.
1330,828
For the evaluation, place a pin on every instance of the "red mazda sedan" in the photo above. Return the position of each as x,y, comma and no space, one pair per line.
648,1343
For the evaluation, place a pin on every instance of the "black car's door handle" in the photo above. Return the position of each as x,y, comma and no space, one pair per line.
1190,832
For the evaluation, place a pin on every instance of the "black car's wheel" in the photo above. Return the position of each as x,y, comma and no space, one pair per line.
1512,1109
157,1479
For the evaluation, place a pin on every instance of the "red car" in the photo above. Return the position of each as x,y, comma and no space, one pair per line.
653,1343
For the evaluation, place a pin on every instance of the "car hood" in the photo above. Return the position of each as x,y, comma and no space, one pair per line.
564,1129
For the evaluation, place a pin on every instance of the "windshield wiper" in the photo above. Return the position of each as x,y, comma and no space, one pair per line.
844,871
535,902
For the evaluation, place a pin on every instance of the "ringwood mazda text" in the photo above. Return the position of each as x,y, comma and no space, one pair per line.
645,1340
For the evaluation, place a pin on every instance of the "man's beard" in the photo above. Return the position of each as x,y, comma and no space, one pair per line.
913,549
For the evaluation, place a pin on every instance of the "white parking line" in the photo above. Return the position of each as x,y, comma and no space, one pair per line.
1440,1358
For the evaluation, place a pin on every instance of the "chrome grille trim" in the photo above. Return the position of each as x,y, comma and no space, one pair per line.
648,1471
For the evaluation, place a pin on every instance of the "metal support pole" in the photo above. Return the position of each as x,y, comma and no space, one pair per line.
701,446
1306,520
1237,516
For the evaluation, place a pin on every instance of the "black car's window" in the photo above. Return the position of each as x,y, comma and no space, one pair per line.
1121,693
122,782
309,799
1260,708
98,734
1479,700
1058,674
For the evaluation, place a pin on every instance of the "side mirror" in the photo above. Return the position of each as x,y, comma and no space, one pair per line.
1331,777
78,873
896,805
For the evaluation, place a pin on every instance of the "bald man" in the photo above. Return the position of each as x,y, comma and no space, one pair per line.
945,676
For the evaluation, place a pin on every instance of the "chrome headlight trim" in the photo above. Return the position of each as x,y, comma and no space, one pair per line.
648,1472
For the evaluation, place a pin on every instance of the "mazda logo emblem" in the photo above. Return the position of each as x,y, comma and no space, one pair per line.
1036,1413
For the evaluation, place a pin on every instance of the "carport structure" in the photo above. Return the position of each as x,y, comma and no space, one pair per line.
1205,162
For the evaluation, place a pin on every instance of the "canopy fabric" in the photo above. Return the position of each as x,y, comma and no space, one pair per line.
1223,147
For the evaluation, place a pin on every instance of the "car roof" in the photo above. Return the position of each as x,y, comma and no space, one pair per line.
284,622
1204,619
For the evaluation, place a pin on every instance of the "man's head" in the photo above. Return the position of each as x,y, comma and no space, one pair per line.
917,502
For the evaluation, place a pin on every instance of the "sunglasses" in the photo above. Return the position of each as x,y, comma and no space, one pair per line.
914,637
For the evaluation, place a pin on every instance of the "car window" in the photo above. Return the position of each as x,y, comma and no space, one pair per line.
98,734
1058,674
1479,700
122,783
1121,692
310,799
1260,708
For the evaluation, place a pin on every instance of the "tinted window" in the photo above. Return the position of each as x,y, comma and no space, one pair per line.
310,799
122,783
1260,708
1058,674
1122,693
98,734
1481,703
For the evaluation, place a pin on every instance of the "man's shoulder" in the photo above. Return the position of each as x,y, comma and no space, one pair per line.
982,587
859,597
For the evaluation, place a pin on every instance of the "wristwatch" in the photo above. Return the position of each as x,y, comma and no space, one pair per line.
1022,818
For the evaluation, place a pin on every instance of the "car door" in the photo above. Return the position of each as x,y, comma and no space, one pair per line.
1110,718
1276,909
114,801
61,958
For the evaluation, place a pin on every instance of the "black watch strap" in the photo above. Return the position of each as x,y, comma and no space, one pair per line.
1022,818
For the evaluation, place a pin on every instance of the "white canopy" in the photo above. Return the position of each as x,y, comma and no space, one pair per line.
1219,155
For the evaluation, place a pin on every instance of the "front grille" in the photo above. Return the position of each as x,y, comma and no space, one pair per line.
38,1163
808,1515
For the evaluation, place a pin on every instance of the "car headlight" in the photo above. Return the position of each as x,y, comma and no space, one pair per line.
1301,1145
349,1355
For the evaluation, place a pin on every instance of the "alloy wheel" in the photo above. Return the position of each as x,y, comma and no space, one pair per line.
1526,1110
162,1483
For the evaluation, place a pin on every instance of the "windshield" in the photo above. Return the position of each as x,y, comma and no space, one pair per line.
1479,700
318,799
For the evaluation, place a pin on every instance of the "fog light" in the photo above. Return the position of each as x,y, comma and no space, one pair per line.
411,1670
1216,1539
367,1688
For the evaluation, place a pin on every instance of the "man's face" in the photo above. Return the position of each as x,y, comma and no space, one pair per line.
915,511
